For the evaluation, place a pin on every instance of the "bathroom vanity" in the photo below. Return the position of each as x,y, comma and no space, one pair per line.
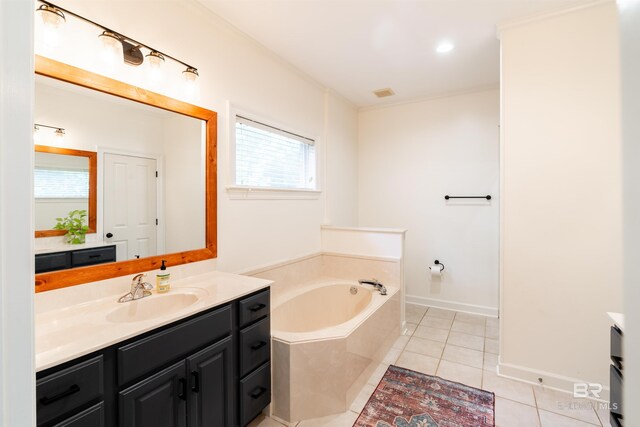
209,368
63,259
616,371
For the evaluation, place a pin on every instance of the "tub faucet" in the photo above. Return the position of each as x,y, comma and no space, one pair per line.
139,289
374,282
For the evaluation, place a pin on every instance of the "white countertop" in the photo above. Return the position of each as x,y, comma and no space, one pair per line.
71,331
618,319
70,247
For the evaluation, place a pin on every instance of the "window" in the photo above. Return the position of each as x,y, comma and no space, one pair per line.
272,158
51,183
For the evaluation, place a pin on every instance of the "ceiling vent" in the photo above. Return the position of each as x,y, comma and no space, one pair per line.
383,93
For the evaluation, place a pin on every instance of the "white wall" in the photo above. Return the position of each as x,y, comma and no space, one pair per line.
17,378
236,69
410,157
629,11
562,202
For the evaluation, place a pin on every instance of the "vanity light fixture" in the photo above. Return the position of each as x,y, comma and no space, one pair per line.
155,60
58,132
52,18
116,45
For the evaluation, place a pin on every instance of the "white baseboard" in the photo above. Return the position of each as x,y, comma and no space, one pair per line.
549,380
452,305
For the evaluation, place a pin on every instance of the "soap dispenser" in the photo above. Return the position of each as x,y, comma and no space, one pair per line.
162,279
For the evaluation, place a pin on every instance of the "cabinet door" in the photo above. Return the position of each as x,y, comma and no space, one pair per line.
211,385
158,401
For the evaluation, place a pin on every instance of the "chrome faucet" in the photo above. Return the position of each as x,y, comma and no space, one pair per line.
139,289
374,282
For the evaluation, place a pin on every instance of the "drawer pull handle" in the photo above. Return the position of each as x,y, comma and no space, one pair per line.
195,376
258,345
259,391
68,392
257,307
182,389
95,256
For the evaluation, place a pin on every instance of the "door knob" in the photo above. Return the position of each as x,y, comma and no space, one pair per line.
109,235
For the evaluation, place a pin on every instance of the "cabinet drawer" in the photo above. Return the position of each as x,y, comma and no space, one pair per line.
93,256
615,385
254,308
255,393
62,392
255,346
53,262
150,353
92,417
616,346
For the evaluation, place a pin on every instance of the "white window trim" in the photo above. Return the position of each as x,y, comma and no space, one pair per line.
242,192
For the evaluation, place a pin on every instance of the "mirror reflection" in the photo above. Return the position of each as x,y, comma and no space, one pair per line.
150,173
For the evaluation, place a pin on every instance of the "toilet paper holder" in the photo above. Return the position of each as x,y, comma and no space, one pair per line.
436,262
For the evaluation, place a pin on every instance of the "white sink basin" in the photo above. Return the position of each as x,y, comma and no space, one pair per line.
155,306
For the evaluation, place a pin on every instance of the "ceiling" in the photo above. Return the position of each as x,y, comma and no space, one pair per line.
357,46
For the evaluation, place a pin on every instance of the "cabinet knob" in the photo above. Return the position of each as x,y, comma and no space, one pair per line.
109,235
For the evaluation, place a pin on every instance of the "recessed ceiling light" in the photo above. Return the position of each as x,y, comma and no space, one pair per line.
444,47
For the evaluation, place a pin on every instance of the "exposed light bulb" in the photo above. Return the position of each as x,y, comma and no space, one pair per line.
155,61
111,48
52,18
444,47
191,80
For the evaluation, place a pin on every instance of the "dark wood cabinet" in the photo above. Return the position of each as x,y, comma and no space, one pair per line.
616,417
74,258
211,369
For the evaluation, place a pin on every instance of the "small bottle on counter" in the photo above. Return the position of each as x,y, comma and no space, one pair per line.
162,279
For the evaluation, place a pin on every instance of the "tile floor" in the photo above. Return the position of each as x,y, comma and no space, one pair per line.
464,348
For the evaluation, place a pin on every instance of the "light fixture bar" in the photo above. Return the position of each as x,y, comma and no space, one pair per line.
38,125
120,35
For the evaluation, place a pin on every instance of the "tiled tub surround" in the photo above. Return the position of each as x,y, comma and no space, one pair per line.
72,322
318,372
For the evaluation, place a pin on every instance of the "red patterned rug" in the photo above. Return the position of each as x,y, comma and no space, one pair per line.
406,398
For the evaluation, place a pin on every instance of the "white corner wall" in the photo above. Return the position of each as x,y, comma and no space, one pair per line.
412,155
629,11
17,374
234,68
562,196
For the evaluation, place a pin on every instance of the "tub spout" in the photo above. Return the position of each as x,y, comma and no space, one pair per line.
379,286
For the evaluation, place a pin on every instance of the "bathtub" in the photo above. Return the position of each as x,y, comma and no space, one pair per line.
327,339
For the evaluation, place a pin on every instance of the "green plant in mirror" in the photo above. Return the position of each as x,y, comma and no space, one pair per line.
75,225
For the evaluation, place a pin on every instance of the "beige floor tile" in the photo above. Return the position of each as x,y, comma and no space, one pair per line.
509,389
490,362
460,373
514,414
471,318
410,328
346,419
418,362
426,347
391,356
549,419
566,405
264,421
401,342
493,322
602,409
465,340
431,333
468,328
377,375
436,322
491,346
441,313
362,398
464,356
491,333
413,313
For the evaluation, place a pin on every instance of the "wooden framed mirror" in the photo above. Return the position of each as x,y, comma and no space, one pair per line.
54,159
84,79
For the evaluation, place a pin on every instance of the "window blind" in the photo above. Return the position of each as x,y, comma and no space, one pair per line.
51,183
273,158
